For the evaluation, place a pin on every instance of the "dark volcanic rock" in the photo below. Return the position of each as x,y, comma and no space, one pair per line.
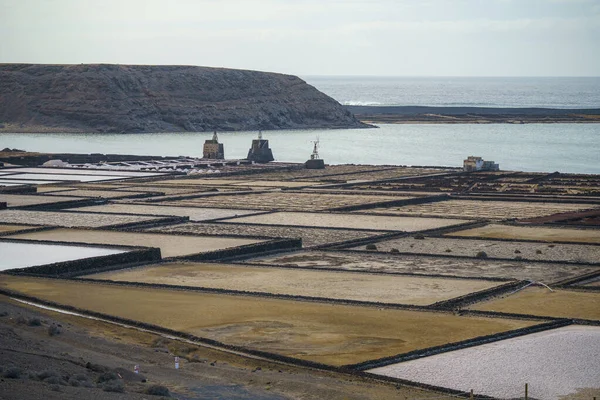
138,98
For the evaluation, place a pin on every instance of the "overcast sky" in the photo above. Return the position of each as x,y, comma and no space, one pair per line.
312,37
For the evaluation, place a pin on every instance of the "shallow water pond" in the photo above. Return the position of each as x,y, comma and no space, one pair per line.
21,255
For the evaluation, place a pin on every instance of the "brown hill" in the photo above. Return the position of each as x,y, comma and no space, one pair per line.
139,98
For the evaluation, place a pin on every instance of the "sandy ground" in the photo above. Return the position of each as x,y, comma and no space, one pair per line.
170,245
46,189
541,301
195,213
20,200
20,255
484,209
287,184
107,194
317,174
352,221
243,182
204,373
332,334
152,187
336,285
557,364
533,233
493,249
14,228
292,201
310,236
389,174
71,219
392,263
344,173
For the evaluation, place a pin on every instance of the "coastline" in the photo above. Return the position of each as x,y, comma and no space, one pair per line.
471,115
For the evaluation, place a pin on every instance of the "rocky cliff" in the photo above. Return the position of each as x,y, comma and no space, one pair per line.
139,98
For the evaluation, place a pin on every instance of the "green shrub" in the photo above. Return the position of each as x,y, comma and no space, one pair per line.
45,374
107,376
481,254
371,247
158,390
114,385
53,330
12,372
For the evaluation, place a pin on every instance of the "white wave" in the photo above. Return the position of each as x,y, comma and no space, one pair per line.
361,103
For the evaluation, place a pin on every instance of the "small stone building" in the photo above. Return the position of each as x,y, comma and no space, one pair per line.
260,151
213,149
473,163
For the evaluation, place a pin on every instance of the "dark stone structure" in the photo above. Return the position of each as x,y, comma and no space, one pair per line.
213,149
315,164
260,151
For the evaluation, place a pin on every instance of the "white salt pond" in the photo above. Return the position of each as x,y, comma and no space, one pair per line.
72,171
554,363
21,255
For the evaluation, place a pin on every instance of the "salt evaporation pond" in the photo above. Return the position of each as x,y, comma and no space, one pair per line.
21,255
554,363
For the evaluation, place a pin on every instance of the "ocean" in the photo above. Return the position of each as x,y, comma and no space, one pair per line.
461,91
568,148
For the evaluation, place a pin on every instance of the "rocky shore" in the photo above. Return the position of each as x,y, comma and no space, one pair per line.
471,115
144,98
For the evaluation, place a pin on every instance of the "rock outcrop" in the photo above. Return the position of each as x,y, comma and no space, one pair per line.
139,98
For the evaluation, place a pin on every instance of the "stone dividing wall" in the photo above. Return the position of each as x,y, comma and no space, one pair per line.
476,297
404,202
458,345
63,204
79,266
24,189
523,198
199,195
36,159
34,228
135,226
255,249
267,355
574,282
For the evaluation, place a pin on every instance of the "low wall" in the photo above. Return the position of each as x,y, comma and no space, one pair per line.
245,250
476,297
141,255
392,203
